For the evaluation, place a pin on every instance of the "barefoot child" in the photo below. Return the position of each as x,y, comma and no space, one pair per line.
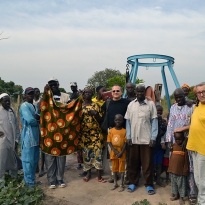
117,142
178,168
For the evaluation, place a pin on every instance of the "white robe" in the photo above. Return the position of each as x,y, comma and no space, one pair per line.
9,126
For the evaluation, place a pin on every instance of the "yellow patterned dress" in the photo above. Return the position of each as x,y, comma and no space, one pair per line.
91,138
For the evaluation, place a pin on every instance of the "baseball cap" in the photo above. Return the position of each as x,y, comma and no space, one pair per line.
28,90
73,84
53,79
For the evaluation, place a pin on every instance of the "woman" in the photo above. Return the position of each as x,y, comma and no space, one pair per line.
91,139
98,99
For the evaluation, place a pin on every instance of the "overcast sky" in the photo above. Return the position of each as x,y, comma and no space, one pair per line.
72,39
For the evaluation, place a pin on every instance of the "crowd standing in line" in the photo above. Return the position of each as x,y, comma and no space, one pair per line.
137,137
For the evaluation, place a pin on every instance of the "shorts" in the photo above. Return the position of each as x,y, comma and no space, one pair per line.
158,157
118,165
165,161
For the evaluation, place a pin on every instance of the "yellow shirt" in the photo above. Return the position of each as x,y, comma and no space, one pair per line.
99,102
196,140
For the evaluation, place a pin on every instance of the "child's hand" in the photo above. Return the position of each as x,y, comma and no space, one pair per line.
116,152
163,146
119,154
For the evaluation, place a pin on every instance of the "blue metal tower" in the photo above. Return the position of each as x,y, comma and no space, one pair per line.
134,61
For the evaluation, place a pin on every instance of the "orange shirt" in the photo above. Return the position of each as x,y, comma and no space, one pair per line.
117,138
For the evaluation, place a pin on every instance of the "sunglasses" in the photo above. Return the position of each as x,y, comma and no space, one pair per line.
115,91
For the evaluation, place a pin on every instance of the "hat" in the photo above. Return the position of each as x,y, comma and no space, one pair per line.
28,90
73,84
53,79
186,86
3,95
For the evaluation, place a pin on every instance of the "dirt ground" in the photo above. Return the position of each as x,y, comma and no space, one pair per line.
78,192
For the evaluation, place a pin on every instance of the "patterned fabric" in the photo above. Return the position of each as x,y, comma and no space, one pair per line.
179,117
92,158
60,125
91,134
178,184
192,189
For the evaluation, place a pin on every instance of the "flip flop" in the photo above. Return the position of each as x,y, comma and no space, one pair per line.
150,190
86,179
131,188
101,180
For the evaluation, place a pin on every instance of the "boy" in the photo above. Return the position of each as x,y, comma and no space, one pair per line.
178,168
117,142
159,151
160,146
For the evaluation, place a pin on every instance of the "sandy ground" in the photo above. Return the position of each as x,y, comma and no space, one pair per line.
78,192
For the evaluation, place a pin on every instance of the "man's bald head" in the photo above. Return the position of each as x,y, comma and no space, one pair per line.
179,91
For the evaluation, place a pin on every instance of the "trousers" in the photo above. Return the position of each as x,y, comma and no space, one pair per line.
141,155
199,175
30,157
55,167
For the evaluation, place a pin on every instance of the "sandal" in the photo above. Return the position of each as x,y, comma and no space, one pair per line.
122,188
150,190
115,187
101,180
131,188
192,201
86,179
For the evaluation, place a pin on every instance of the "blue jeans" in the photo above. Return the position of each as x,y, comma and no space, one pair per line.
30,157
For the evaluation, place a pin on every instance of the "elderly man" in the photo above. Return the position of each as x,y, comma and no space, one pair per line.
56,164
142,130
9,136
196,141
29,137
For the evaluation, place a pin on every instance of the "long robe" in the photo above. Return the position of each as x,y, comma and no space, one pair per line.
9,126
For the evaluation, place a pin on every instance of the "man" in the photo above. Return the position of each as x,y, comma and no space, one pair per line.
9,136
196,141
130,88
29,137
37,98
117,105
142,130
56,164
74,88
179,120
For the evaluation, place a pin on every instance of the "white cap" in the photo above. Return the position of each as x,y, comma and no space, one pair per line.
3,95
53,79
73,84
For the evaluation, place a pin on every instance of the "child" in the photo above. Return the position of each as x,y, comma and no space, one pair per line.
159,151
178,168
117,142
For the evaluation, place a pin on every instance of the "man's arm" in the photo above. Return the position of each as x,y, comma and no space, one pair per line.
128,132
27,116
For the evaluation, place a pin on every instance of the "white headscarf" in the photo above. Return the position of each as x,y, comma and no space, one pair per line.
3,95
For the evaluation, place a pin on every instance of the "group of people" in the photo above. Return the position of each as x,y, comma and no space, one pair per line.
137,139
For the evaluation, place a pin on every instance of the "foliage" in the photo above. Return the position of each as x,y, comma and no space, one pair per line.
15,192
191,95
101,77
62,90
142,202
120,80
10,88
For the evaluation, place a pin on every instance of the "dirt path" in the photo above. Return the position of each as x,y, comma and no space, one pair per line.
79,192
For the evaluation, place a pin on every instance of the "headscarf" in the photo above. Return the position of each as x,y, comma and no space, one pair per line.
3,95
98,88
186,86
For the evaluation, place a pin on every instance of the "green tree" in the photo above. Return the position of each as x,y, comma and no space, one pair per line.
62,90
101,77
10,88
120,80
192,95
